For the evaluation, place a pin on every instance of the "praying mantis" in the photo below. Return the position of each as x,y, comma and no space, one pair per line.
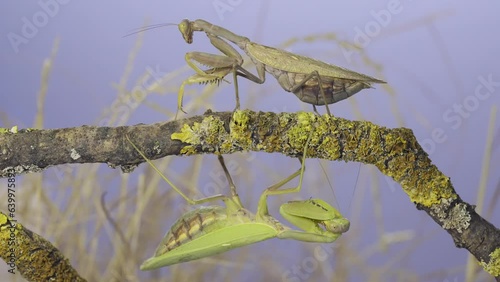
211,230
301,75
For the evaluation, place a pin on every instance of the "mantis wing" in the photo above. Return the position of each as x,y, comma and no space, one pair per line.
211,243
290,62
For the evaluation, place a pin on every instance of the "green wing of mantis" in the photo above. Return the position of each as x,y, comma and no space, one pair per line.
214,240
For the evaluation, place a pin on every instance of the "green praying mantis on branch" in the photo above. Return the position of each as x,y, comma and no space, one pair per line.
301,75
211,230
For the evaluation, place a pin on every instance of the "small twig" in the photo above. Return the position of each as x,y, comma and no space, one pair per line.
113,222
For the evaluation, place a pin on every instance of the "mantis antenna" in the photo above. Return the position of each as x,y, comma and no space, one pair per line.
329,183
148,27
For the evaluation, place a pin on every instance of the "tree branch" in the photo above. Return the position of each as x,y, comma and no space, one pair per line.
395,152
36,258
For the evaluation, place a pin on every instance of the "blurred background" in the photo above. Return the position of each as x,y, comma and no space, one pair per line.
67,64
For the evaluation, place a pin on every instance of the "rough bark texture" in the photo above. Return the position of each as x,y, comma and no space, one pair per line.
395,152
33,256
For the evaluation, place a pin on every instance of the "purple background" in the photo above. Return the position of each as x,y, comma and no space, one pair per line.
432,54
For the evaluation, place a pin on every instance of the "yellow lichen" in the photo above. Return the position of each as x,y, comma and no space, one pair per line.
327,137
6,229
188,150
187,134
13,129
493,266
422,181
207,133
437,187
211,131
238,128
241,118
300,132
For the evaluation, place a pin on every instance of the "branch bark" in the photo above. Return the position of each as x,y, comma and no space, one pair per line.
35,257
395,152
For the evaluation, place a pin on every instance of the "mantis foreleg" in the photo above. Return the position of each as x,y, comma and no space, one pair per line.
232,60
208,76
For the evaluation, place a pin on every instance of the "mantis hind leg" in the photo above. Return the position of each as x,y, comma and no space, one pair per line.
189,200
262,209
231,54
232,187
240,71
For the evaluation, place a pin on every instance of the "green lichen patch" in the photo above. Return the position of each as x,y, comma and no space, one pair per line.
493,266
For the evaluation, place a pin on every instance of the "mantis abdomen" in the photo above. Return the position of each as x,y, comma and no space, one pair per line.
191,226
335,89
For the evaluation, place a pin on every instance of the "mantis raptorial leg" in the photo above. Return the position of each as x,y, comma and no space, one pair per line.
209,76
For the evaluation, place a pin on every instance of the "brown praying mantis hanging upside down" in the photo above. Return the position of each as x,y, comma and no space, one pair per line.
312,81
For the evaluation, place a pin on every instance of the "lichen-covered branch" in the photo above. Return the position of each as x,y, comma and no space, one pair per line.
395,152
35,258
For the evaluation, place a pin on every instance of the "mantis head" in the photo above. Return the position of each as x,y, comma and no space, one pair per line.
315,214
336,225
186,30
